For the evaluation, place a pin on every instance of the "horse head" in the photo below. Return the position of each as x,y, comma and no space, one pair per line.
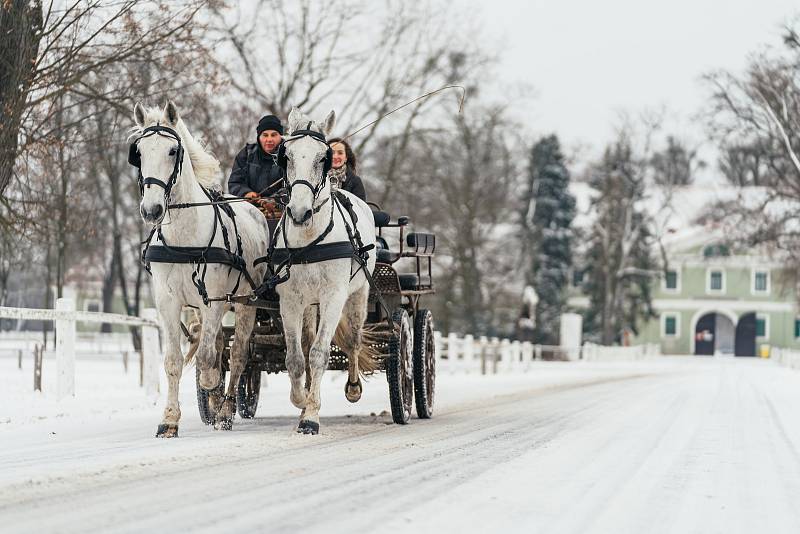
306,157
158,152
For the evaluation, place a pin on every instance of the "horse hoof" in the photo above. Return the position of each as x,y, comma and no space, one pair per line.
223,423
210,379
353,390
167,431
308,427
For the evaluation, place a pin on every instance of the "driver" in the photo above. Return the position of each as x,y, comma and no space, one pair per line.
255,175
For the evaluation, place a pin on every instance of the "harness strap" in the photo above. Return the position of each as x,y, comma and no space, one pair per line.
328,251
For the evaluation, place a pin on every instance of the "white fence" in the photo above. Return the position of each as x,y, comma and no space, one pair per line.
592,352
454,353
65,317
493,355
787,357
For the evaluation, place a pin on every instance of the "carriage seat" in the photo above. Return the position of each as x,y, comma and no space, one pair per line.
423,244
412,281
381,218
383,254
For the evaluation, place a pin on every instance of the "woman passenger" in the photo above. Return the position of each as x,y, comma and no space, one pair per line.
343,171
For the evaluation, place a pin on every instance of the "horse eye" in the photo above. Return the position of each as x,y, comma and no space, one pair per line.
173,151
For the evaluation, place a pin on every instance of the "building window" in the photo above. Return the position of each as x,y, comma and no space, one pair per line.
716,281
762,326
577,278
797,327
91,305
760,281
670,326
671,281
716,251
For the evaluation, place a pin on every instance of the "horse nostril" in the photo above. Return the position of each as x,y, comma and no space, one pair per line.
307,216
157,211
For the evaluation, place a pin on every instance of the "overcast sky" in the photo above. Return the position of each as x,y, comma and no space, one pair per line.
587,60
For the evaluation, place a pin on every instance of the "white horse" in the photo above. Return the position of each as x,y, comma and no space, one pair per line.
175,169
342,299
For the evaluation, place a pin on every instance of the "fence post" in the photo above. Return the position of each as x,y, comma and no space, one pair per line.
437,343
527,354
125,361
19,359
537,352
505,354
494,343
452,351
65,350
516,352
37,368
482,347
150,353
468,347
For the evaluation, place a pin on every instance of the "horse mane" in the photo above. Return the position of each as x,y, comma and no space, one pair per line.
205,166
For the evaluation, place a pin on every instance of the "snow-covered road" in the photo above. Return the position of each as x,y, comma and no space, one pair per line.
671,445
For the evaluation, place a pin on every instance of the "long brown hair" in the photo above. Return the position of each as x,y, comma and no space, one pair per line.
352,163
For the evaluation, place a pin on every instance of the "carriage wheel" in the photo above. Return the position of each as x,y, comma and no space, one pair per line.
208,402
398,368
424,360
247,392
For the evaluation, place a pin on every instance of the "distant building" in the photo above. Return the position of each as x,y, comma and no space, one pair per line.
714,296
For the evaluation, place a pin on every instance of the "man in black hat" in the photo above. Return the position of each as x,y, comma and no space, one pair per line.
255,174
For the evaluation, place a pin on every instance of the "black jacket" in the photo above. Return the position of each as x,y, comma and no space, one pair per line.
254,170
353,184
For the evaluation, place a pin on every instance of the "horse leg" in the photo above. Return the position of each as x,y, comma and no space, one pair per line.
245,319
307,338
329,312
350,340
170,313
292,315
206,355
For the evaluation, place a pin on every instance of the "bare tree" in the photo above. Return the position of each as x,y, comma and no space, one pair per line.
56,48
762,108
359,57
675,164
619,260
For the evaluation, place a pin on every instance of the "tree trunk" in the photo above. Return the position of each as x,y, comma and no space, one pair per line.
20,32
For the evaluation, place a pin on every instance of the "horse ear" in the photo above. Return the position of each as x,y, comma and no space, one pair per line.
138,114
171,113
295,116
328,124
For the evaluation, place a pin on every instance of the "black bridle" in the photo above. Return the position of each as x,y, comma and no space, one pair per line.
316,190
135,159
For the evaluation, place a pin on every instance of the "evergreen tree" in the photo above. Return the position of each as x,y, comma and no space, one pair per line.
620,265
548,221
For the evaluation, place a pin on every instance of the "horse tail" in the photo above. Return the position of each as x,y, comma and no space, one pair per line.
194,340
368,352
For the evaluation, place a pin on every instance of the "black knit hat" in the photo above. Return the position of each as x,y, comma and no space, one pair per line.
269,122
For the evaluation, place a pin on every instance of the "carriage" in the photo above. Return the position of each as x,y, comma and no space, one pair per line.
406,351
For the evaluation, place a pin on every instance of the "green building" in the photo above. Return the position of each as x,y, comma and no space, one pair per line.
715,297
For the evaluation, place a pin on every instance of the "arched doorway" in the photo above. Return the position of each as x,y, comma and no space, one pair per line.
714,332
746,335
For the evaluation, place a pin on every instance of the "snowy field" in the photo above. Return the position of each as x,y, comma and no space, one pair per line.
668,445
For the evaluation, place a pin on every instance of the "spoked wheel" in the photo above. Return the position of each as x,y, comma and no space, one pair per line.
247,392
209,402
399,368
424,360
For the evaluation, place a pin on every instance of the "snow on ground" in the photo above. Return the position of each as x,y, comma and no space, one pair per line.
668,445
